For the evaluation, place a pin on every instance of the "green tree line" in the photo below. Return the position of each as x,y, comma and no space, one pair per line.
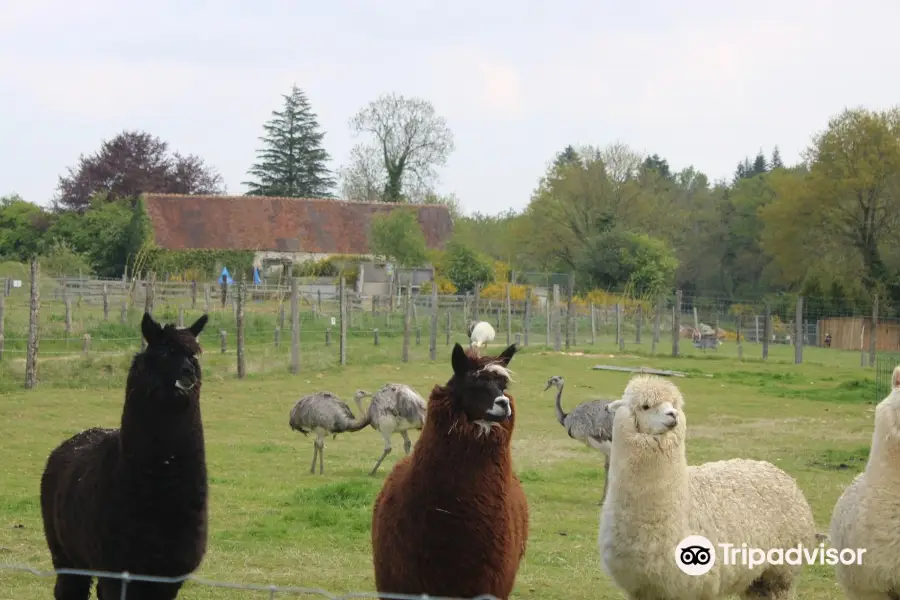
618,219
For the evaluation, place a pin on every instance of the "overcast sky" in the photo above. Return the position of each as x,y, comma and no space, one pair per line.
700,82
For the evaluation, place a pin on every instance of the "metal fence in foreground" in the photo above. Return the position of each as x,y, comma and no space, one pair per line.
270,590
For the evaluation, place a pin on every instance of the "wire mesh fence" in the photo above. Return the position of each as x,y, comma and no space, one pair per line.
261,591
78,331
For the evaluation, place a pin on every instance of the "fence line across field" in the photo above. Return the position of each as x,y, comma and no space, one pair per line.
271,590
287,316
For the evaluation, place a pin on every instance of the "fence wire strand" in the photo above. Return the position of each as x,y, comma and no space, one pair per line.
271,589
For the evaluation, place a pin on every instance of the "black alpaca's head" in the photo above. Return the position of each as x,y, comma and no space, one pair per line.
171,354
478,386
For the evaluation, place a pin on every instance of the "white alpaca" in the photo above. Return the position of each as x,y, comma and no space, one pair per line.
480,334
867,515
655,500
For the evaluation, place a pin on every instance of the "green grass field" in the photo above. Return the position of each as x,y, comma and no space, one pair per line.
272,522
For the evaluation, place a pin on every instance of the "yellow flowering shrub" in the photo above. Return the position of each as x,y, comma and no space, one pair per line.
497,291
187,275
445,286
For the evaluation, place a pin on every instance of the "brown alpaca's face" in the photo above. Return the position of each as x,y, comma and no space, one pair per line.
479,387
171,354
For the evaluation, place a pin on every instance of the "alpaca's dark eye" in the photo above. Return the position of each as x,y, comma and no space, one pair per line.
646,407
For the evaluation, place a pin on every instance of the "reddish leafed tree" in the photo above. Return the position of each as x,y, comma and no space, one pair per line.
132,163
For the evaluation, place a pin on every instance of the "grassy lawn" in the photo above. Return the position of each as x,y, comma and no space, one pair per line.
273,522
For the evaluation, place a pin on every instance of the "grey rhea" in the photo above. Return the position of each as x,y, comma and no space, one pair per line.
325,414
589,423
395,408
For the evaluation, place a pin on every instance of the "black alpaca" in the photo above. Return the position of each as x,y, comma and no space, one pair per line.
135,498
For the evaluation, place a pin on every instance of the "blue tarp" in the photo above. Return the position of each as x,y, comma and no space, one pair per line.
225,276
256,279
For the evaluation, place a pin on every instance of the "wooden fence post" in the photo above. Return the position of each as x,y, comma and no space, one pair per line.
343,323
873,335
241,291
569,304
277,336
527,321
477,308
86,344
407,314
105,302
508,316
375,334
295,327
180,316
767,332
222,336
152,292
68,317
620,334
207,295
33,314
557,320
448,327
123,312
657,318
194,293
2,321
740,345
432,345
547,303
676,323
798,341
639,318
593,324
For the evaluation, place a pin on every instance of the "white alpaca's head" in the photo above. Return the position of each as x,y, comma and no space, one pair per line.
654,403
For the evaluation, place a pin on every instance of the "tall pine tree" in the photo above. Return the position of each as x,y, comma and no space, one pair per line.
759,165
293,162
776,159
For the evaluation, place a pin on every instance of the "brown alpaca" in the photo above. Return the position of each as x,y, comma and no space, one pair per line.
452,519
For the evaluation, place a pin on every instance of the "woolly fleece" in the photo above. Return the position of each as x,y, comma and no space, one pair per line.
655,500
867,515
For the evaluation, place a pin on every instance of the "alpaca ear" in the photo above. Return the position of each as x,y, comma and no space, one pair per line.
459,360
612,407
150,329
198,325
507,354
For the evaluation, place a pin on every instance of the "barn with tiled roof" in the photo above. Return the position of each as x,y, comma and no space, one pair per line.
279,229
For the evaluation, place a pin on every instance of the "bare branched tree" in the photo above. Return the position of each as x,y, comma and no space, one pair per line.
411,140
363,178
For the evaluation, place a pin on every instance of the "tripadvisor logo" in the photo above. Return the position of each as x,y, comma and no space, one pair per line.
696,555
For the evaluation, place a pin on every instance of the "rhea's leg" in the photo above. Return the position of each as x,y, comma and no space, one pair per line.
321,442
407,445
312,469
387,449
